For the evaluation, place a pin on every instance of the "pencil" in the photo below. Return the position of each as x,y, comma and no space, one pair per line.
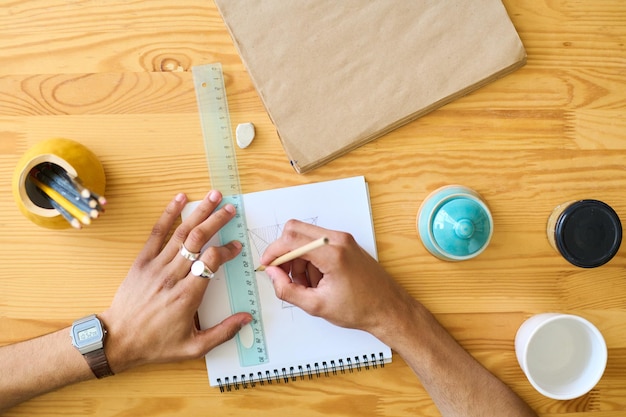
66,215
95,201
63,202
46,172
296,253
65,189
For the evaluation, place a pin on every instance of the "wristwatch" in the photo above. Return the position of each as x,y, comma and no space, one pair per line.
88,337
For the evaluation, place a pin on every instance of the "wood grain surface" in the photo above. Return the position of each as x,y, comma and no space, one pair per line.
115,76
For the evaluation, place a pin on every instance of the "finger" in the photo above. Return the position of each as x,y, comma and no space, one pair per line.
200,235
213,258
295,234
162,227
314,275
223,331
208,204
216,256
299,272
200,214
291,292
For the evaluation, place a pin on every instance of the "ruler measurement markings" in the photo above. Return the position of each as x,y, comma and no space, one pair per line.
222,161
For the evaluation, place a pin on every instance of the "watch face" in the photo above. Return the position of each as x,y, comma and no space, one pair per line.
87,335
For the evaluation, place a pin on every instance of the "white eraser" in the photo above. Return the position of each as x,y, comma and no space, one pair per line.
244,134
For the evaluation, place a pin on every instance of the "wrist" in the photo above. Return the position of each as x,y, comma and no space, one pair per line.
400,323
116,348
88,336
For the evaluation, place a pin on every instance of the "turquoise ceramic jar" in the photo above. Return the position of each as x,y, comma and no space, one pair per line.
454,223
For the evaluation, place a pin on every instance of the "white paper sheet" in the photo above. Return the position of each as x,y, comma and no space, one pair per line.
294,338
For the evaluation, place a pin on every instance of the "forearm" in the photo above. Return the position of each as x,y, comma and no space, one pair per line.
457,383
40,365
151,318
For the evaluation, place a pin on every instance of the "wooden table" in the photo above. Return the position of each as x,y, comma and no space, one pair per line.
116,77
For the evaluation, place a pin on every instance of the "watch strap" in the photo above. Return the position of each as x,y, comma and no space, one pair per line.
98,363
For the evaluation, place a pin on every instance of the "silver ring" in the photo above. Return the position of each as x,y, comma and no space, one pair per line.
199,269
185,253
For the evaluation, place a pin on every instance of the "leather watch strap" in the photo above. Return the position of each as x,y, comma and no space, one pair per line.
98,363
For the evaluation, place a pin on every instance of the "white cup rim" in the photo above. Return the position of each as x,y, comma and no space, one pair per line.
602,360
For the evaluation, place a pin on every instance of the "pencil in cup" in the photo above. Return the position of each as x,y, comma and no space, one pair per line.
296,253
73,221
66,189
96,200
62,201
63,191
67,156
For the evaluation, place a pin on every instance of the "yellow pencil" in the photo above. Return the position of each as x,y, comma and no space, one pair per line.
296,253
62,201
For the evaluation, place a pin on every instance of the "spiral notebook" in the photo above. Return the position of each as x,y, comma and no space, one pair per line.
299,346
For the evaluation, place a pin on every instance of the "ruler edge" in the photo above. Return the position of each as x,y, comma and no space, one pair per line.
198,74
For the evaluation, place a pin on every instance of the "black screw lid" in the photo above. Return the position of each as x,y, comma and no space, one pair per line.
588,233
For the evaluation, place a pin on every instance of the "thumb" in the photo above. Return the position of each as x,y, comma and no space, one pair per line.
224,331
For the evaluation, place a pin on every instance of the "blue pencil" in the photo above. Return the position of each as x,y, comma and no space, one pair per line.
66,215
60,181
59,199
69,194
95,200
74,181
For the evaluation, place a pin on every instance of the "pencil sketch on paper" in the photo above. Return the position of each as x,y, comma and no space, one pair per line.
262,237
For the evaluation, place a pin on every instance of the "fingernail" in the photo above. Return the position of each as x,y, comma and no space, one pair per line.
229,208
237,244
246,321
180,197
214,196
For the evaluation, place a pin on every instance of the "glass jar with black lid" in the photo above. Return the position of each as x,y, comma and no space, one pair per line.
587,233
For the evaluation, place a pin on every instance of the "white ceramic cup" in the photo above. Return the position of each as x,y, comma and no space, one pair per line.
562,355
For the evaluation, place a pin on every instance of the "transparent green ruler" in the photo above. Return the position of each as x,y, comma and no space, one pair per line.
222,160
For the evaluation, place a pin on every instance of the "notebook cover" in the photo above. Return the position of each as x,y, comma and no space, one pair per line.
334,75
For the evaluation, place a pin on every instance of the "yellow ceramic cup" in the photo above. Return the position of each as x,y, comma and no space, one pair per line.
74,158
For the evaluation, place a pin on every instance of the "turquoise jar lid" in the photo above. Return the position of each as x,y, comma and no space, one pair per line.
454,223
461,227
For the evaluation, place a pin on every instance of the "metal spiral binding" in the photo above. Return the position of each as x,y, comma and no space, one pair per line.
307,371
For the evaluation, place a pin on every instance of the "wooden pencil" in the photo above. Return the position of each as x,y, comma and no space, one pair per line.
46,172
66,215
95,200
65,189
63,202
296,253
